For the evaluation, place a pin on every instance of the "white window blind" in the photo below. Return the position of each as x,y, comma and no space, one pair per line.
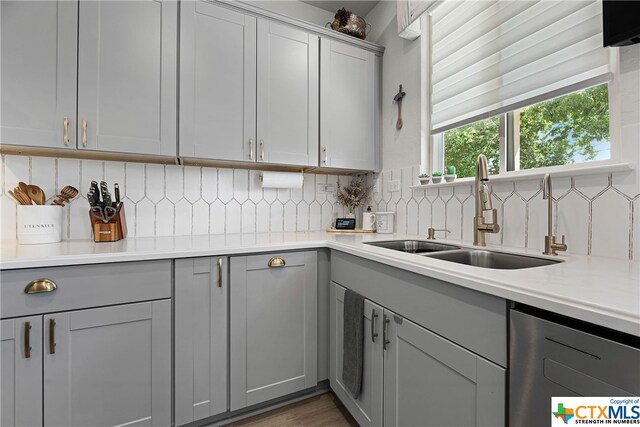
489,57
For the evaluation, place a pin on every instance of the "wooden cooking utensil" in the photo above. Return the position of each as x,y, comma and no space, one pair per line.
23,195
36,194
67,194
19,197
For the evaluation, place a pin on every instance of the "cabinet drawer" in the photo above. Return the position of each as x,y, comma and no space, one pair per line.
84,286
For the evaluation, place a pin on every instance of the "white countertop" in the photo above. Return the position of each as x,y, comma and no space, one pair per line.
599,290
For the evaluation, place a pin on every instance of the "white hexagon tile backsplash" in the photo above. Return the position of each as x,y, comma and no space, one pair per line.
172,200
599,214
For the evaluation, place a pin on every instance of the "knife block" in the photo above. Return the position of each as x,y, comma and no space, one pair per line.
112,231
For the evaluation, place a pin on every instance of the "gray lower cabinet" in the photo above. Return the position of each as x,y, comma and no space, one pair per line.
273,315
106,366
21,371
413,376
431,381
367,408
201,310
86,345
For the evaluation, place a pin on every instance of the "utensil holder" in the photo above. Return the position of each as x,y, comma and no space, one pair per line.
112,231
39,224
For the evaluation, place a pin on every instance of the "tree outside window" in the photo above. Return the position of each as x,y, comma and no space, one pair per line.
573,128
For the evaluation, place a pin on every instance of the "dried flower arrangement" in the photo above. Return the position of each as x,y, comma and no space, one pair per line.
355,194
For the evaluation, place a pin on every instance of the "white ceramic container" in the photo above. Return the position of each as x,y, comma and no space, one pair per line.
39,224
369,221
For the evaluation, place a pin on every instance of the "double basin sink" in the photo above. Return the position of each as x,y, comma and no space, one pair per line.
473,257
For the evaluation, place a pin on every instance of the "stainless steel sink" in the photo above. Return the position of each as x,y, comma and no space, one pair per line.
489,259
413,246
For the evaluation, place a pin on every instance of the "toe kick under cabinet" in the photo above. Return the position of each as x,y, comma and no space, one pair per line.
86,345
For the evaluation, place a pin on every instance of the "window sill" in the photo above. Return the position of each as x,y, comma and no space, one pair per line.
555,172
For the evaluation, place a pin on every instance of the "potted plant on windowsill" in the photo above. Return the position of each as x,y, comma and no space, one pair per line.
450,176
423,178
436,177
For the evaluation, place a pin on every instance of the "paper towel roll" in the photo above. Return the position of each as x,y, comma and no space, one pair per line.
282,180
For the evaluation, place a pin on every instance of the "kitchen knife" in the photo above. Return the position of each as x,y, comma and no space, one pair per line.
106,198
95,189
116,192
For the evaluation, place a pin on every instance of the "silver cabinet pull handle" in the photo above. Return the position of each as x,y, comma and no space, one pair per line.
40,285
27,340
385,332
84,132
251,149
374,316
326,155
219,272
276,261
65,131
262,149
52,336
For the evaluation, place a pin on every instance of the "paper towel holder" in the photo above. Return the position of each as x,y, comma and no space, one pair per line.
301,173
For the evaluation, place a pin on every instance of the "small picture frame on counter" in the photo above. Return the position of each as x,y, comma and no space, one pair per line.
345,224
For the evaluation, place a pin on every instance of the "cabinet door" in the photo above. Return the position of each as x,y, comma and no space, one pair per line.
108,366
38,77
287,95
367,408
217,82
347,106
430,381
21,372
200,305
127,76
273,326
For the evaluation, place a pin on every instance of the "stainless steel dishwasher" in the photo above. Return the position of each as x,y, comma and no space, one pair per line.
551,355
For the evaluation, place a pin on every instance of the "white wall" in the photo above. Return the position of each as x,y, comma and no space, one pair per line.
400,65
600,214
295,9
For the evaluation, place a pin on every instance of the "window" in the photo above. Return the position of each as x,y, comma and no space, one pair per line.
525,83
570,129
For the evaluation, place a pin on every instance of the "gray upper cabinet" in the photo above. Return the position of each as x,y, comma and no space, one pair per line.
287,95
273,314
21,371
217,82
127,53
200,304
38,77
259,104
430,381
94,75
347,106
